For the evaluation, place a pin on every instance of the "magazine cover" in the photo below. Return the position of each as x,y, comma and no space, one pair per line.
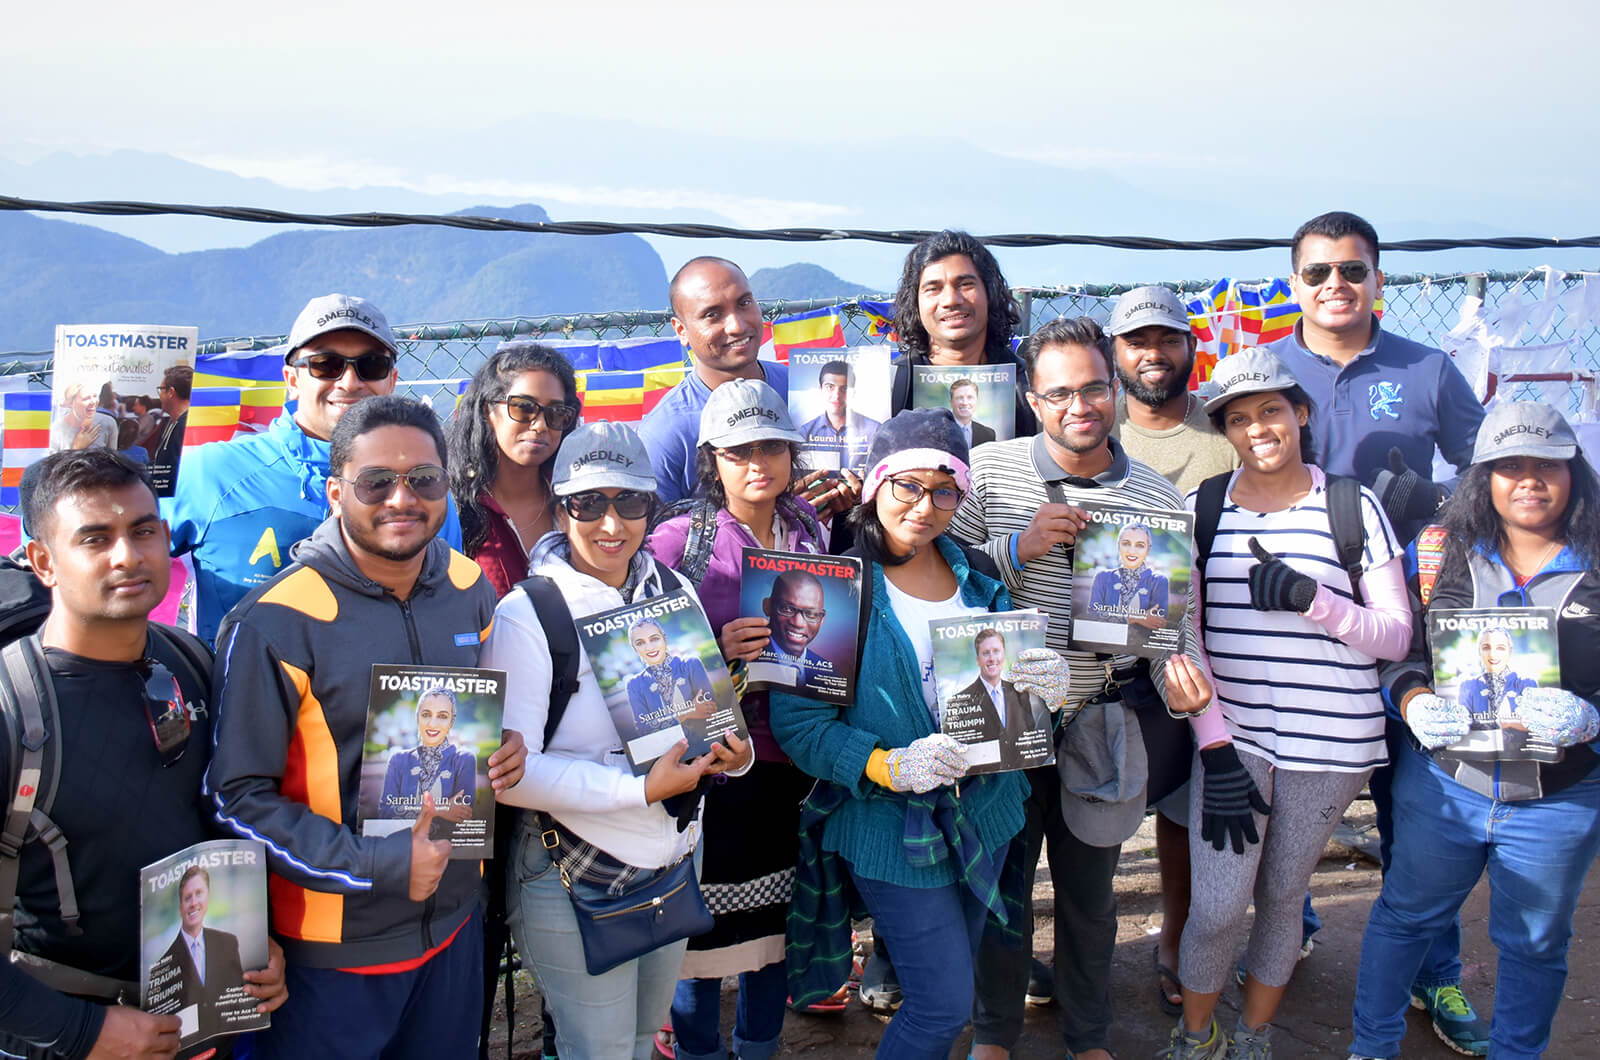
813,606
663,677
837,399
431,729
1130,580
982,396
1483,659
972,656
202,925
100,369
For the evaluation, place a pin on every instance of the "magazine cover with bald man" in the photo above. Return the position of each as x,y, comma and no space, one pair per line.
1000,727
812,604
1131,580
1485,659
663,677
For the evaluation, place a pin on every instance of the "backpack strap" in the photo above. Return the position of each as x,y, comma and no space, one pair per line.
1209,499
697,546
28,702
190,650
1349,530
555,617
1430,558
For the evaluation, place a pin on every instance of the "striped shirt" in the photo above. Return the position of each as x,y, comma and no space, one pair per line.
1007,488
1290,691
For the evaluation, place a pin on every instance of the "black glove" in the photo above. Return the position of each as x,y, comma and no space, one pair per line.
1276,586
1406,496
1230,795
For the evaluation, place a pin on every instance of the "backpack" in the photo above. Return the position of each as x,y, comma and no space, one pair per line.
31,718
1344,520
703,532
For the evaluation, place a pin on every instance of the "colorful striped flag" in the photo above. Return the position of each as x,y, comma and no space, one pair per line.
258,377
625,397
880,317
1267,313
214,415
27,438
814,329
643,354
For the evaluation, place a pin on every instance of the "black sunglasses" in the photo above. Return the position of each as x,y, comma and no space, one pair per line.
741,454
558,415
591,506
370,367
1316,274
164,710
374,485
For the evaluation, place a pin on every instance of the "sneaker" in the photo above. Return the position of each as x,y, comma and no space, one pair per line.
1455,1021
880,987
1041,984
1356,1056
1248,1044
1185,1046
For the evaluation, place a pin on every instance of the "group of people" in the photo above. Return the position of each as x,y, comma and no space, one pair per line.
355,531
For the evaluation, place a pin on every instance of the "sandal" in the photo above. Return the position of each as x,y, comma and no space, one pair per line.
667,1042
1164,975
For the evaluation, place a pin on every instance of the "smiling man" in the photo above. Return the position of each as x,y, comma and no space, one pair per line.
240,505
207,959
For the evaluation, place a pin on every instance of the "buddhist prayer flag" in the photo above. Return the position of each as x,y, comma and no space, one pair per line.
27,438
815,329
256,375
214,415
1266,313
625,397
880,317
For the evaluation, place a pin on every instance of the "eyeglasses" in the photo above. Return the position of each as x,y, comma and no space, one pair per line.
810,614
369,367
1092,394
374,485
591,506
907,491
164,710
1316,274
741,454
558,415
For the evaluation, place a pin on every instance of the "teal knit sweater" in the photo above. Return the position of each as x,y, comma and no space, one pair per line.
833,742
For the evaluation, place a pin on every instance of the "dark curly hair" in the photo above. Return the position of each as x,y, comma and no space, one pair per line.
1471,521
472,440
1004,317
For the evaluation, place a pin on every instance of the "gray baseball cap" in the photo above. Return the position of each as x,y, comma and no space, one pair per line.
602,455
1144,306
1250,371
336,312
1524,428
1104,774
745,410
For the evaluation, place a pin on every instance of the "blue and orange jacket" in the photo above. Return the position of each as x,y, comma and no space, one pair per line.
292,680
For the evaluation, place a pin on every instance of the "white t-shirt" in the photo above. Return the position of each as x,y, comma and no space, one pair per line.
914,614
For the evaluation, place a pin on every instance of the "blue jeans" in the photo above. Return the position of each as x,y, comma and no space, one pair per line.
1537,854
934,933
758,1025
614,1015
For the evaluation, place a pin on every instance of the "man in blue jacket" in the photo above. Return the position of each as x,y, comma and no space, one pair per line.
242,504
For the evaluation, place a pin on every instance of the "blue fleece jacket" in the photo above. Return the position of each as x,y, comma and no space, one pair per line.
833,743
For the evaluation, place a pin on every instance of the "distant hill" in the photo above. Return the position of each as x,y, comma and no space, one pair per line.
54,272
803,281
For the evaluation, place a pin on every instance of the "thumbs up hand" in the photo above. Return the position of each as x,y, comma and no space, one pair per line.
1276,586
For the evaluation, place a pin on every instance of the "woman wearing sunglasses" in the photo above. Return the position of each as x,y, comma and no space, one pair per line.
579,784
925,863
1521,530
517,408
745,468
1300,740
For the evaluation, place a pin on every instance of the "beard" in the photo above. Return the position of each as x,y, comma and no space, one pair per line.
1155,397
366,537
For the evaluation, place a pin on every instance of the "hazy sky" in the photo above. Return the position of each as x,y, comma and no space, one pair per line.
1266,100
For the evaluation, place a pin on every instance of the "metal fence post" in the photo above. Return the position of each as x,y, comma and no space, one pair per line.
1025,305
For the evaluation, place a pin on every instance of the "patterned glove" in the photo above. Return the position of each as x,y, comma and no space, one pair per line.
1230,796
1437,721
1276,586
1557,715
926,763
1406,496
1046,675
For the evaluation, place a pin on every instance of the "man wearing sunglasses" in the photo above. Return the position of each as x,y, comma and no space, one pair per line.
378,929
242,504
1382,405
1022,509
134,740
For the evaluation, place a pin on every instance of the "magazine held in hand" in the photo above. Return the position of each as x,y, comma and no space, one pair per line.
1484,658
1000,727
663,677
1130,580
431,730
202,925
839,398
982,397
813,605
